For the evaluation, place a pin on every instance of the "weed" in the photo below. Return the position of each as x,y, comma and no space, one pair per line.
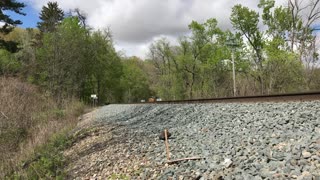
48,161
28,118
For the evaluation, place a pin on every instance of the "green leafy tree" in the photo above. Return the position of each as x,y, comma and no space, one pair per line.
81,66
60,59
294,24
9,23
282,69
290,29
106,68
8,63
201,54
246,22
27,39
162,56
194,68
51,16
134,80
277,19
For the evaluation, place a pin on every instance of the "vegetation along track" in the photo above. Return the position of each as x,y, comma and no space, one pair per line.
301,96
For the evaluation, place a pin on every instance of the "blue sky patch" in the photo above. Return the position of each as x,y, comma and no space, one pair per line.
29,20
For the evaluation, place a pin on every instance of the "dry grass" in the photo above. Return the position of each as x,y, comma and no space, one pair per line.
28,118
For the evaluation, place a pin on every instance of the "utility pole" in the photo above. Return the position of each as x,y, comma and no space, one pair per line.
231,42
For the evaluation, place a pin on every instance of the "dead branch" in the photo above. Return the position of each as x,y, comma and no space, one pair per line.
184,159
4,115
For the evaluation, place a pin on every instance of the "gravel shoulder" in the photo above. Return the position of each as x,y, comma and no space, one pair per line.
236,141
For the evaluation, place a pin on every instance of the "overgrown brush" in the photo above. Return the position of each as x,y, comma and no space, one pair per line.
28,118
47,162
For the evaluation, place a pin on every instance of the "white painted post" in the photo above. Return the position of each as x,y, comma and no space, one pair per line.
94,99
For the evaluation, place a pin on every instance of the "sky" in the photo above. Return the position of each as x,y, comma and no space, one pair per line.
135,24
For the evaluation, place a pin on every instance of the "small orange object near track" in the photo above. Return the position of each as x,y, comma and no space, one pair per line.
151,100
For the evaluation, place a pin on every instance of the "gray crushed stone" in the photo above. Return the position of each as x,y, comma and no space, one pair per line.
236,140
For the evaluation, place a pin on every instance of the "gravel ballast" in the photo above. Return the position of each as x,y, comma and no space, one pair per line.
235,140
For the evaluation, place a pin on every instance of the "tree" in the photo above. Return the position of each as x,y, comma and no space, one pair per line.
9,23
304,18
291,27
51,16
162,56
246,22
201,54
8,63
106,67
193,68
276,19
134,80
283,72
10,5
82,16
61,59
27,40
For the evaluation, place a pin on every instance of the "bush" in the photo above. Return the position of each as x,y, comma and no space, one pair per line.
48,162
8,63
28,118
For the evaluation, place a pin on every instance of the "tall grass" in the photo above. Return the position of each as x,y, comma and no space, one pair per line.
28,118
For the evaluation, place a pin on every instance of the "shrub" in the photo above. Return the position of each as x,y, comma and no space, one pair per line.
28,118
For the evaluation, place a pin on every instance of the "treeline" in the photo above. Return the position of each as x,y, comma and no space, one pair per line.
273,52
278,57
68,59
47,74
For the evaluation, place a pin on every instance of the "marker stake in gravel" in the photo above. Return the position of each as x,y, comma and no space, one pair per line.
165,132
167,144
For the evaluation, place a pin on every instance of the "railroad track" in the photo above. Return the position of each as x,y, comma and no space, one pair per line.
305,96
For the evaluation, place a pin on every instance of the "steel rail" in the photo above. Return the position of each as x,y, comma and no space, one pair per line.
301,96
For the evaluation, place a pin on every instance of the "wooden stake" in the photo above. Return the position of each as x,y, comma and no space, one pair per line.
183,159
167,144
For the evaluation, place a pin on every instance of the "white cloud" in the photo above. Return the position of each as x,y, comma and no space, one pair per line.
135,23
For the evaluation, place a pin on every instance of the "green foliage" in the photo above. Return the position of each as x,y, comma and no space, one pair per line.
61,58
69,66
70,60
278,20
10,5
106,68
11,138
169,84
266,5
264,59
283,70
115,176
48,161
8,63
51,15
27,40
194,68
9,23
134,81
245,20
